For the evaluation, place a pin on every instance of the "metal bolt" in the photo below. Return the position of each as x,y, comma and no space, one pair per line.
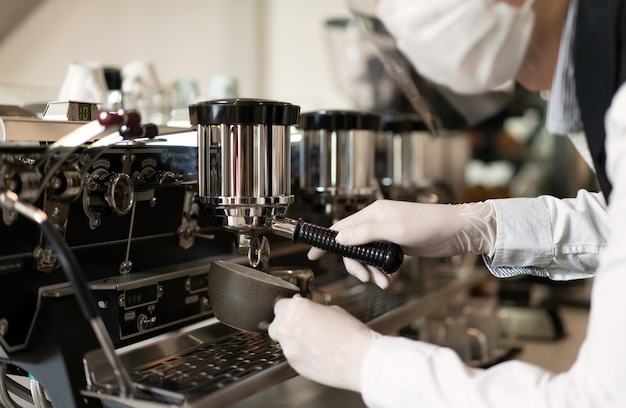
55,182
4,327
103,304
126,267
204,304
56,212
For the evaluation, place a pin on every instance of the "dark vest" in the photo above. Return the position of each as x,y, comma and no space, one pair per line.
599,70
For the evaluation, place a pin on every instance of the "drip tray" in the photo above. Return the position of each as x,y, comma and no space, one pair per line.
216,365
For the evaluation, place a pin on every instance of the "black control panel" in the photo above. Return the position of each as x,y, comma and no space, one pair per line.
127,213
143,304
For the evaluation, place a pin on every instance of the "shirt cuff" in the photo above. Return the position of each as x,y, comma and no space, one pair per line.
510,271
524,234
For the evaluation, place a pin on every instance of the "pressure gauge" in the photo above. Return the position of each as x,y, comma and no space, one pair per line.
120,194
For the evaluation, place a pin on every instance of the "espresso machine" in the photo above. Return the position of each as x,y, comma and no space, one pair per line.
110,227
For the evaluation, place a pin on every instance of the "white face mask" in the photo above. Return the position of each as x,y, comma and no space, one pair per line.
470,46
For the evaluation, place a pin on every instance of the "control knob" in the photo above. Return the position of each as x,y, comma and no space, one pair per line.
144,322
111,190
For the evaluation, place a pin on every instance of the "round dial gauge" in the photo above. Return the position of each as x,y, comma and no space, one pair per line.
120,194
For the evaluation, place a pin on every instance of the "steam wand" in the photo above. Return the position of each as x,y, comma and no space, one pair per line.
385,256
10,202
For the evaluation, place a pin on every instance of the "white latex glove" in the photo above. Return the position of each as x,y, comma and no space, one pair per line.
322,343
429,230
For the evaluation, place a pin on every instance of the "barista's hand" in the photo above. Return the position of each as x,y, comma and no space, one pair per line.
430,230
322,343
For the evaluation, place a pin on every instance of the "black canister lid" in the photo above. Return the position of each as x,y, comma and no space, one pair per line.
244,111
403,122
339,120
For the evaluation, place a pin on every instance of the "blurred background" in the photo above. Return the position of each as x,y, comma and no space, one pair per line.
302,52
275,48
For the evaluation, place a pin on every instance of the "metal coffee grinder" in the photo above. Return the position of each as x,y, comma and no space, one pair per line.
337,160
244,180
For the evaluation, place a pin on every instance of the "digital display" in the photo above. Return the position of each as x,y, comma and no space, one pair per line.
141,296
84,112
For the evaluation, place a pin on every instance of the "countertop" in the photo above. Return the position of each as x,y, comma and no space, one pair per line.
556,355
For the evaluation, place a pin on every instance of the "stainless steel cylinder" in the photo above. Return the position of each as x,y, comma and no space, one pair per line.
337,155
401,150
244,160
412,164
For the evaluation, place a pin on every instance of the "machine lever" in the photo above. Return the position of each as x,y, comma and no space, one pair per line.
130,118
385,256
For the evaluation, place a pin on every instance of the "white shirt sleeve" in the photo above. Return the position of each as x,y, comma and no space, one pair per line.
398,372
563,237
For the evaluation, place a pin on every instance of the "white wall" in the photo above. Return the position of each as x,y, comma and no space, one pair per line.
297,60
276,48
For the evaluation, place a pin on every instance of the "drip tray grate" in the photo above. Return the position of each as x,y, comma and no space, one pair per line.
367,302
213,366
218,365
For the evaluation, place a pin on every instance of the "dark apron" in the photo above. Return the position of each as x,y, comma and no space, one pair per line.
599,70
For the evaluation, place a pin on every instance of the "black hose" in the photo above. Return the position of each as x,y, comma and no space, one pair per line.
70,266
5,398
73,272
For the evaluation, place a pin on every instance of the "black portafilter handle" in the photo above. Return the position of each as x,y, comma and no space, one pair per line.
385,256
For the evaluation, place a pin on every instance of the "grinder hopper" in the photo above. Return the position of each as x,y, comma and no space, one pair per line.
244,164
244,179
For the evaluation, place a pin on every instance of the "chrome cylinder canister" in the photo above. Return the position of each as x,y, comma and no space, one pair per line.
244,159
414,165
446,164
401,156
336,159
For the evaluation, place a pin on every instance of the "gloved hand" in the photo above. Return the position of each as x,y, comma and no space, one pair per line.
429,230
322,343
